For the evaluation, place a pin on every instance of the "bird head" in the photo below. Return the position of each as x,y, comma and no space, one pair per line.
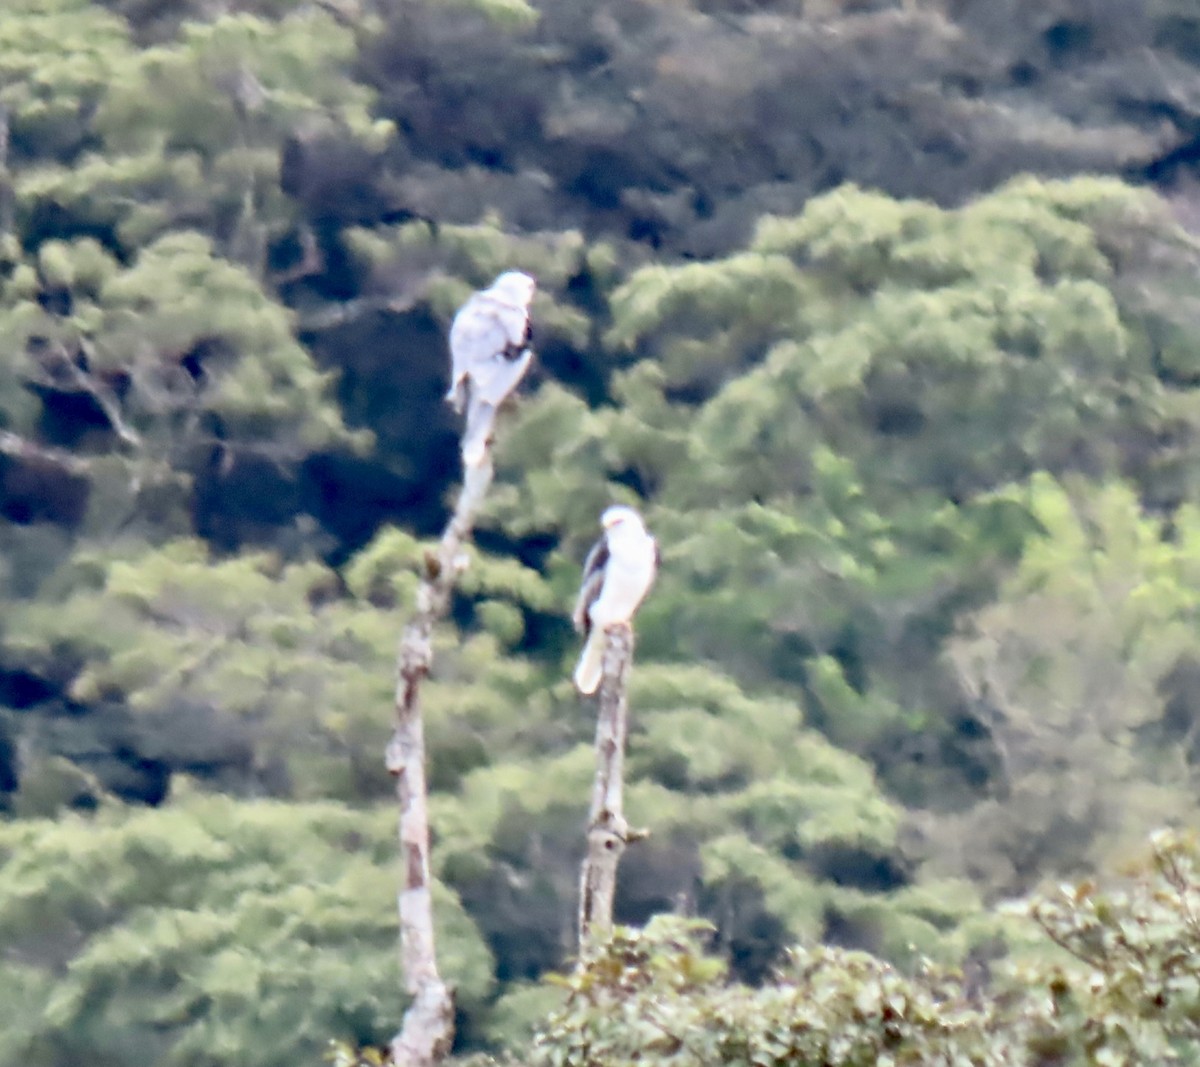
619,515
514,287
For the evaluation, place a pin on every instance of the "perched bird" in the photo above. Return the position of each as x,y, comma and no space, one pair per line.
617,575
489,354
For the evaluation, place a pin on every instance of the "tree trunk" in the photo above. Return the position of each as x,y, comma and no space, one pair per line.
608,833
428,1029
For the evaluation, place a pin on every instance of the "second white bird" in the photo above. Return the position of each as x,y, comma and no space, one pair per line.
617,575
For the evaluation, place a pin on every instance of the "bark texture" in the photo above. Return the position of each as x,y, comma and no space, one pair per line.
427,1032
608,833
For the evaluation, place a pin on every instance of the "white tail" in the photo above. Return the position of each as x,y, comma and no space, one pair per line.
456,395
481,416
591,663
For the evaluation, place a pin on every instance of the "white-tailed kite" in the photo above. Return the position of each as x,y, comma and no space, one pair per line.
489,352
617,575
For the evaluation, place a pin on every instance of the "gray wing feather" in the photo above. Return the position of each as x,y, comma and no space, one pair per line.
475,334
486,352
593,582
515,324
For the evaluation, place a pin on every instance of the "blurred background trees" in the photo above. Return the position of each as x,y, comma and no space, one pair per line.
884,314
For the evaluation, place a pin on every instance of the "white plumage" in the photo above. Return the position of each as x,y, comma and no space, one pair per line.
489,355
617,575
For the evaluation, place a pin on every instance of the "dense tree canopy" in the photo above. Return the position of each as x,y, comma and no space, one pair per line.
1117,989
883,313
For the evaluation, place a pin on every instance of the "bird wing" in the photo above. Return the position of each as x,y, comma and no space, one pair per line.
593,582
486,340
514,321
476,336
501,377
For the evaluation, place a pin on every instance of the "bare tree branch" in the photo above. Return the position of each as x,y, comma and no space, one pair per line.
608,833
105,399
18,447
331,315
7,194
428,1029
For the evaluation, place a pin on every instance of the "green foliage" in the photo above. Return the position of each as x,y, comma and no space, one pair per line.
654,994
186,374
948,350
213,930
702,321
1071,671
57,58
443,265
923,477
757,821
189,132
281,682
512,14
1136,943
1122,991
178,301
831,484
